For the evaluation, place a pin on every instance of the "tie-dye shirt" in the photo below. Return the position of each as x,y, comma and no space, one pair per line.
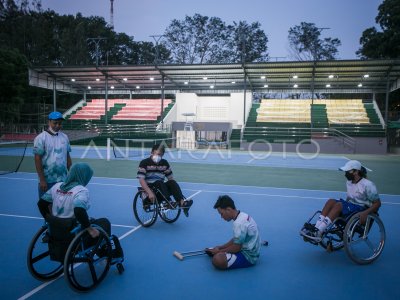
53,149
363,192
245,233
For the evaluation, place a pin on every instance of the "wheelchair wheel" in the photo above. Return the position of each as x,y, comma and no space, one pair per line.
364,243
38,258
168,214
87,260
145,213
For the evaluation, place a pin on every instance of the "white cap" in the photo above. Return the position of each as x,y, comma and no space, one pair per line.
351,165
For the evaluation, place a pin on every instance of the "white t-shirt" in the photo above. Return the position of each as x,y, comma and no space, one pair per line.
65,202
245,233
363,192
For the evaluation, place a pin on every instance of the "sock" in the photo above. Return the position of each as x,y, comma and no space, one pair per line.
322,226
321,219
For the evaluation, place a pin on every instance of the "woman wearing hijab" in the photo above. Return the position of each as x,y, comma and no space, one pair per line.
70,199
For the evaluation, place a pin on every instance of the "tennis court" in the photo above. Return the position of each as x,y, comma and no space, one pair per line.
280,191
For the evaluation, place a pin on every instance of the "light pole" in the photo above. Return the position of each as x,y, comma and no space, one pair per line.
157,38
96,42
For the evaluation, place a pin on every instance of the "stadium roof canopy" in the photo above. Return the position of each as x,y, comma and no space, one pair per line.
334,76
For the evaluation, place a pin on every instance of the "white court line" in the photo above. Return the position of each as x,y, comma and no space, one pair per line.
201,183
40,218
19,216
285,196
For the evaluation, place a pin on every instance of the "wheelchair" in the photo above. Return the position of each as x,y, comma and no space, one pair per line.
146,212
67,248
363,243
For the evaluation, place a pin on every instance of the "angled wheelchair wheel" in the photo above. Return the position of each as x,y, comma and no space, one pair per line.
38,258
145,212
364,243
87,260
167,213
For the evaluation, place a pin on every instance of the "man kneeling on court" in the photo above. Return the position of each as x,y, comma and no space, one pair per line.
152,173
243,249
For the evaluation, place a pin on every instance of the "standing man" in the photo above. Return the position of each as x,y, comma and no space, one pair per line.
51,150
243,249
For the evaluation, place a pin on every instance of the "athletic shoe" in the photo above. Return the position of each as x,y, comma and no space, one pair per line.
314,236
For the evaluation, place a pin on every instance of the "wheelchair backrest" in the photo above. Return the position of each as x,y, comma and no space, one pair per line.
60,236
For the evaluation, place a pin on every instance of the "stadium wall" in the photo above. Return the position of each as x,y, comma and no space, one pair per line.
227,108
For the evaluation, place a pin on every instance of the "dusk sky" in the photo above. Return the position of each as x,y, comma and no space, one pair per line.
347,19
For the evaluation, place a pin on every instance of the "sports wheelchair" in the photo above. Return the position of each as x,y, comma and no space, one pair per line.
363,243
62,246
146,212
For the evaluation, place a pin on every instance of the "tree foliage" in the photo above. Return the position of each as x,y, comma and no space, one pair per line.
305,43
201,39
47,38
384,43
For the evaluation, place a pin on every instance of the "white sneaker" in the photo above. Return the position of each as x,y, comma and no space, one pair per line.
314,235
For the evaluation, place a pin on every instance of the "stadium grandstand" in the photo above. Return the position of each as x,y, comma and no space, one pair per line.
263,106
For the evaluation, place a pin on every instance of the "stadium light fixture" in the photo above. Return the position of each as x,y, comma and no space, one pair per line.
233,82
265,85
112,87
125,79
97,79
211,86
205,78
138,87
73,79
262,77
295,76
89,87
360,85
328,85
295,86
366,76
331,76
151,78
186,82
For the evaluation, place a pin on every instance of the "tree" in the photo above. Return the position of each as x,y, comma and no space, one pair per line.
305,43
248,43
13,83
384,43
201,39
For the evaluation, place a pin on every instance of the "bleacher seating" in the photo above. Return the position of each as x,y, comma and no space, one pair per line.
345,111
141,109
284,111
121,109
288,119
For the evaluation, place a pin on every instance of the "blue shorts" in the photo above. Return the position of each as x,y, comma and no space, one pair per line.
237,260
349,207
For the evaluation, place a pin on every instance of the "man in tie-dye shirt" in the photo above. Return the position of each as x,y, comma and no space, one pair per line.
243,249
51,151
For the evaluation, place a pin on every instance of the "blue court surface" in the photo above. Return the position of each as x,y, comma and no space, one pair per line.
289,268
